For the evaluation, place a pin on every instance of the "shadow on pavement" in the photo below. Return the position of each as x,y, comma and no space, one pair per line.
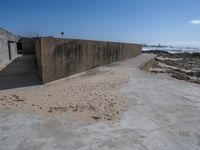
21,72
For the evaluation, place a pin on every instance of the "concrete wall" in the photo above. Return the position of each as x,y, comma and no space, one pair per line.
28,45
59,58
8,46
13,50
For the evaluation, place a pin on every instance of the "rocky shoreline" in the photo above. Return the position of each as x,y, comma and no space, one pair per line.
182,66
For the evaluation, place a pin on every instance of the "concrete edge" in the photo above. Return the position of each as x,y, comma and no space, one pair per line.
147,65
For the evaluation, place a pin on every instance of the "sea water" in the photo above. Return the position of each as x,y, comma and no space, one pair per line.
172,49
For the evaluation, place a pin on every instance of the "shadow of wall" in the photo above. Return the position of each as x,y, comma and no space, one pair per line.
21,72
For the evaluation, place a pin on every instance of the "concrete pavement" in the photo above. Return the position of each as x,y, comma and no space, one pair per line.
163,113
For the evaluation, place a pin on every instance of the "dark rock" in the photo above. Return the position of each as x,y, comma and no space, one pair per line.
180,76
96,118
156,52
195,55
50,111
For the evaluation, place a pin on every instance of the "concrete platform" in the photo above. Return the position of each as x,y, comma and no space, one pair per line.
163,113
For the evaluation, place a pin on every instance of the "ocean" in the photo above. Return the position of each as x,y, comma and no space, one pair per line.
172,49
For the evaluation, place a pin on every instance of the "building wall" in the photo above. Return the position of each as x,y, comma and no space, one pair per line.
28,45
8,46
38,56
58,58
13,50
4,54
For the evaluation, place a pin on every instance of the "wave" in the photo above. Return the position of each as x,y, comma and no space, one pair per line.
172,49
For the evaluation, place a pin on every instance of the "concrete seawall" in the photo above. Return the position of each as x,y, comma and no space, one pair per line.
58,58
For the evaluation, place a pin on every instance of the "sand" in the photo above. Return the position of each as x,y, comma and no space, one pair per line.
92,96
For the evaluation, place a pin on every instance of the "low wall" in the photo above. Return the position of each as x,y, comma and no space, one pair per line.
8,46
147,66
58,58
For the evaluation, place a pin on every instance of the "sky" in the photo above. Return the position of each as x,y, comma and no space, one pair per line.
166,22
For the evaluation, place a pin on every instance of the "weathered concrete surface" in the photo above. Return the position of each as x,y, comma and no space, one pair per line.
21,72
28,45
8,47
163,114
58,58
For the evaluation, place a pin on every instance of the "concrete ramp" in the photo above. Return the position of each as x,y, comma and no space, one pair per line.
21,72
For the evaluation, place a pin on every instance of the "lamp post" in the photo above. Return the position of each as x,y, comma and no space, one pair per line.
62,33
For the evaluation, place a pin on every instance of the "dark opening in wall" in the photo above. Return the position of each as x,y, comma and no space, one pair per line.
12,49
19,47
9,50
27,45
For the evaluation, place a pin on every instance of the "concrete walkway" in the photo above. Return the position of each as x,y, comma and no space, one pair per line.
21,72
163,114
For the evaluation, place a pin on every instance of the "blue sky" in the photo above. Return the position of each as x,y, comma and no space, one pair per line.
174,22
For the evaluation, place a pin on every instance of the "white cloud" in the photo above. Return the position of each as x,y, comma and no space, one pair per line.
196,22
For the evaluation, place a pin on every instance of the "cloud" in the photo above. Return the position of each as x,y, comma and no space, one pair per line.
195,22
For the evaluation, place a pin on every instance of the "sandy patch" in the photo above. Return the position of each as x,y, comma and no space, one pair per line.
95,95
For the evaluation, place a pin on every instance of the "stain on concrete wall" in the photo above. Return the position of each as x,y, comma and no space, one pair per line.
38,56
58,58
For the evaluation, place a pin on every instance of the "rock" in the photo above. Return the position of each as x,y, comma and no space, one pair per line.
96,118
195,81
50,111
182,66
195,55
180,76
156,52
